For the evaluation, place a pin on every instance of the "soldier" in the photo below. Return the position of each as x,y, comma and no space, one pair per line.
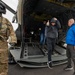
6,30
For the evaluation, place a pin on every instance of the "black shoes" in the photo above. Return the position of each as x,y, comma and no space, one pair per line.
74,73
68,68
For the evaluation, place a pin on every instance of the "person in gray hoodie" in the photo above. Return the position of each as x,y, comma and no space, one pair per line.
51,36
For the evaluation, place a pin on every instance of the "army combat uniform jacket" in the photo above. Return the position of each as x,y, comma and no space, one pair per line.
6,30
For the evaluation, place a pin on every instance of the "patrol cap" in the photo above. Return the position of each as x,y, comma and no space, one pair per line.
2,8
52,20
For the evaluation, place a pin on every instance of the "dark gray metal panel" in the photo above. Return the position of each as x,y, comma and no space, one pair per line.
16,55
49,8
45,59
60,50
34,66
69,1
34,50
31,66
29,6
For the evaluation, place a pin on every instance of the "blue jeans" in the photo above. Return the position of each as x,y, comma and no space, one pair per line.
42,38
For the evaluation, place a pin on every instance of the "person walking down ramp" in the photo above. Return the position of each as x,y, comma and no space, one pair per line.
51,36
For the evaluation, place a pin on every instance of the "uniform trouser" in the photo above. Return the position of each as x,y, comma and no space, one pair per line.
70,52
50,46
3,58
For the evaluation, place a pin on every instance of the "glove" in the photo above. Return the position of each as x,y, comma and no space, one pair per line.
55,18
48,23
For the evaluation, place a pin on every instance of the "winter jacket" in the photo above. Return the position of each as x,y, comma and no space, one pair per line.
70,37
52,31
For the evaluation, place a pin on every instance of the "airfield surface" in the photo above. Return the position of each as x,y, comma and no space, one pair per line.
15,69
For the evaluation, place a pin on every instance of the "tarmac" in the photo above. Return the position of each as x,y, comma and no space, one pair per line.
15,69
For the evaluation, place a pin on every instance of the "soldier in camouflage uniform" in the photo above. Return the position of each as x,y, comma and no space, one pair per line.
6,30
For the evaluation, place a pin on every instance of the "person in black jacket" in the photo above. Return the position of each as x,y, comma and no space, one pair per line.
51,36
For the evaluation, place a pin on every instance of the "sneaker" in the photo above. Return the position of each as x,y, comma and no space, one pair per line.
49,65
74,73
68,68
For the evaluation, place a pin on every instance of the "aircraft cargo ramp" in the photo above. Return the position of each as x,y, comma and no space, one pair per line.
35,57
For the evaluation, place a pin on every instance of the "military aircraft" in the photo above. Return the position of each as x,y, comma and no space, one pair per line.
30,13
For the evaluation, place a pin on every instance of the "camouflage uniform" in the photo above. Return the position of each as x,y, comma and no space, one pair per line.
6,30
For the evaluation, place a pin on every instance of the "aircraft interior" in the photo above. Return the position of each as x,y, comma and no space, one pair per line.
28,34
34,12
